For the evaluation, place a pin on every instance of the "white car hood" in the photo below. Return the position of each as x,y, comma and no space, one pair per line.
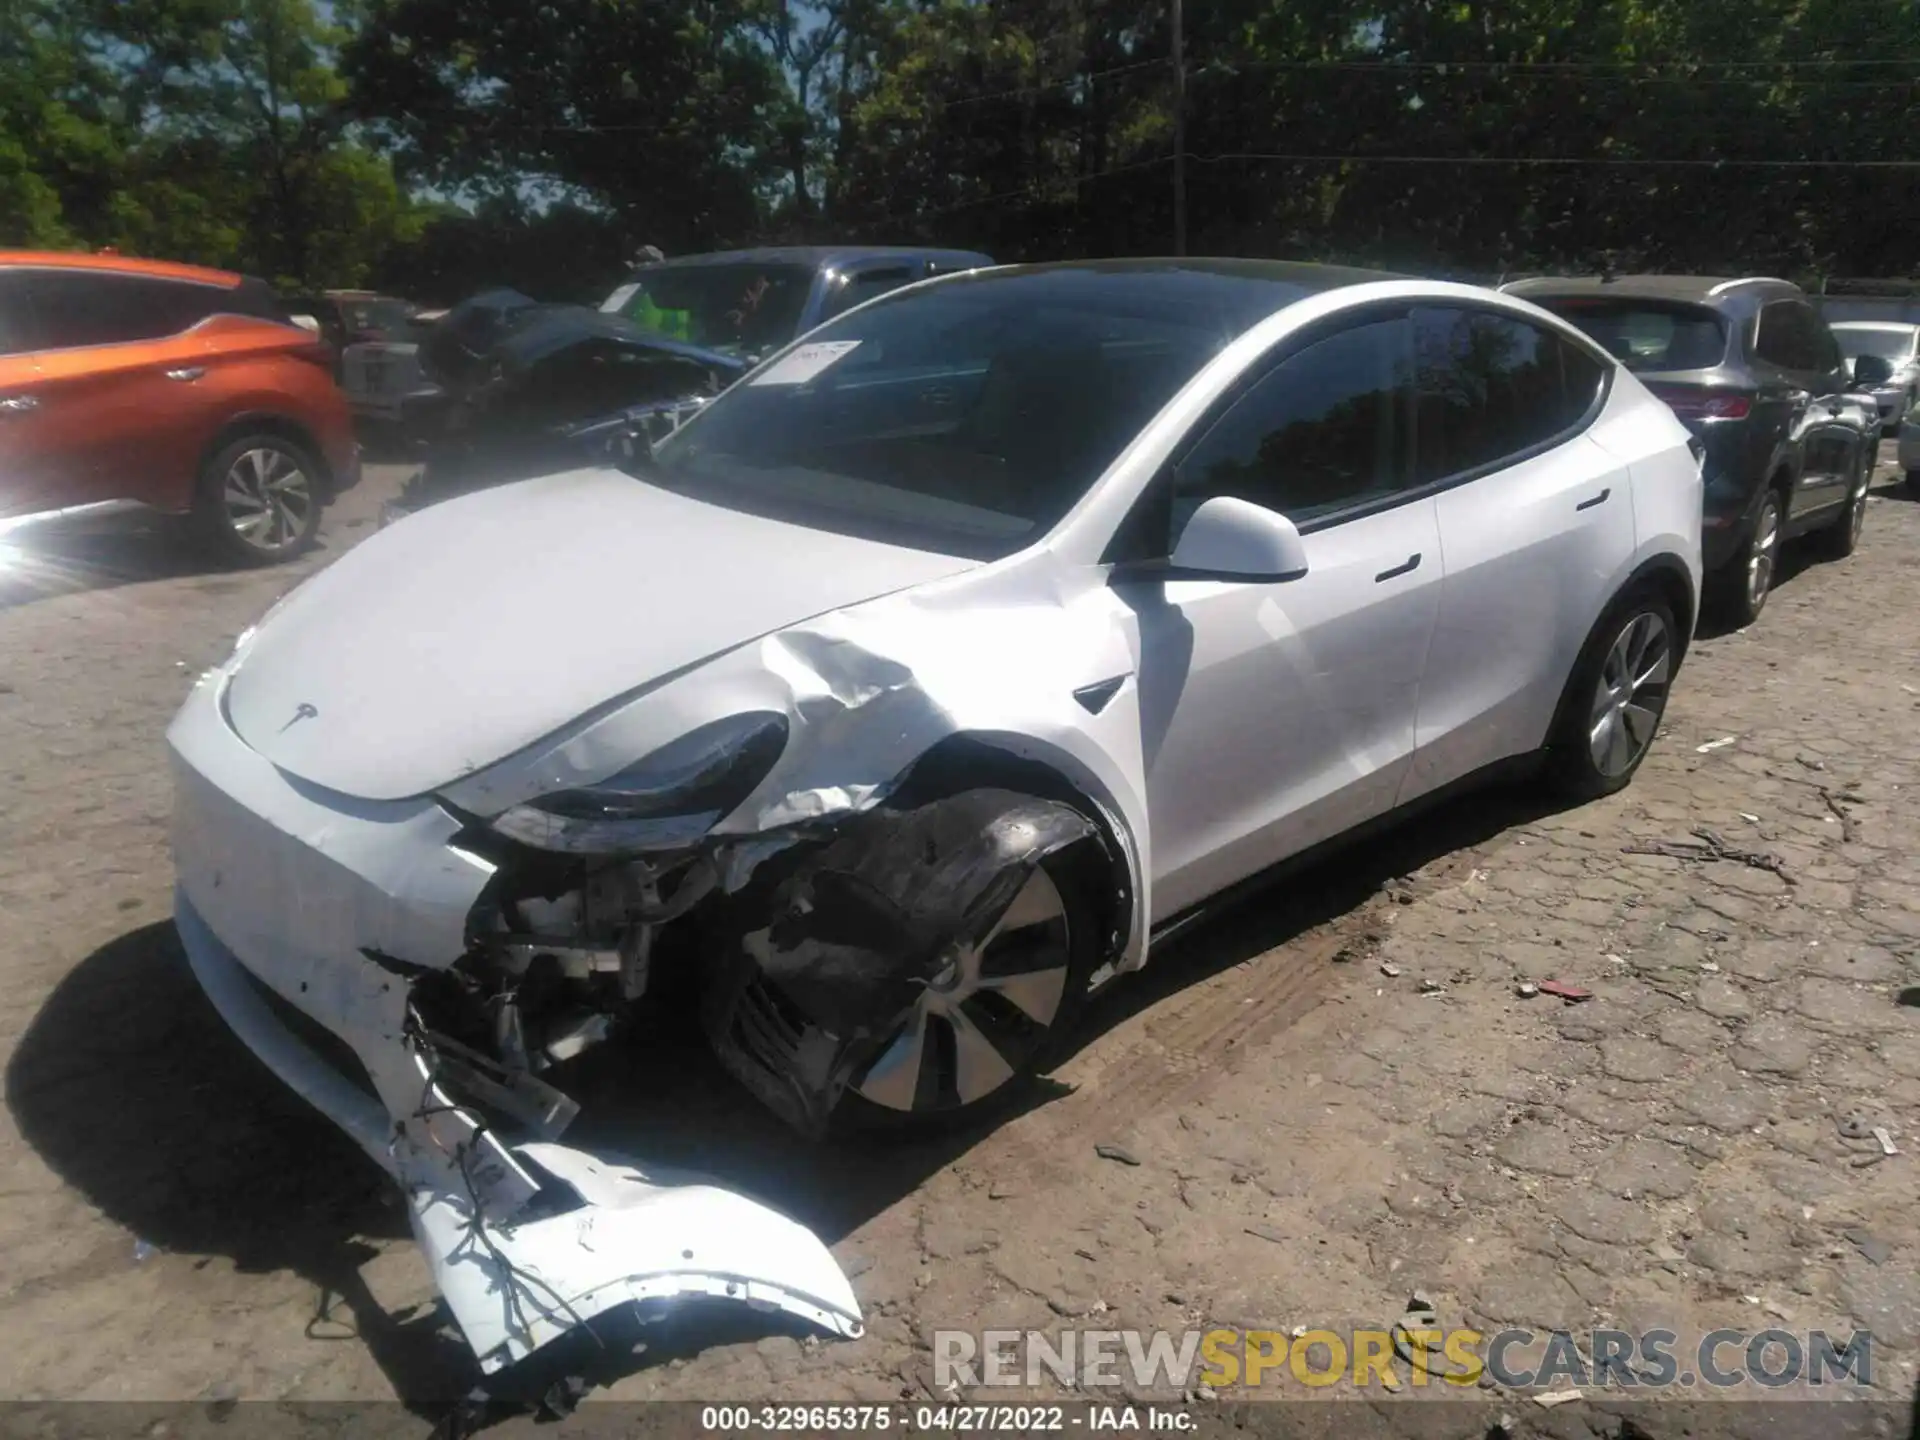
468,631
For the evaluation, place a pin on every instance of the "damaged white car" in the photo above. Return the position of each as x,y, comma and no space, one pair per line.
897,701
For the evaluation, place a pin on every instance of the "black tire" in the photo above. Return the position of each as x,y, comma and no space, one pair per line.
1842,537
1075,874
1913,482
260,474
1736,592
1573,767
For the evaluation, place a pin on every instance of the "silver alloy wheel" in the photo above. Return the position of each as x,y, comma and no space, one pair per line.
1766,545
1632,693
268,498
984,1015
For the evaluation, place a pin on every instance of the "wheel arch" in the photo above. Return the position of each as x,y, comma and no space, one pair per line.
1666,575
970,758
272,422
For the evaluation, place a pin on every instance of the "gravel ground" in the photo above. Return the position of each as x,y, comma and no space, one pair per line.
1335,1095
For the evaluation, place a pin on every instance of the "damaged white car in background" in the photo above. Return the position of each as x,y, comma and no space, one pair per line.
894,702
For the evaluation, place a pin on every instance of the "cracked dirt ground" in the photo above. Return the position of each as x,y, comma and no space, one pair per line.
1316,1135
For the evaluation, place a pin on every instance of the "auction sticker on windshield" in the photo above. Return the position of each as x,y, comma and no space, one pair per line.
804,362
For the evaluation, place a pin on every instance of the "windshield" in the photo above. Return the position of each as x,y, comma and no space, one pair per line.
1893,345
735,309
966,418
1648,335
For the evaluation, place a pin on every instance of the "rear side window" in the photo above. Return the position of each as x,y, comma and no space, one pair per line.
1323,430
78,308
255,298
1792,336
1649,335
1488,388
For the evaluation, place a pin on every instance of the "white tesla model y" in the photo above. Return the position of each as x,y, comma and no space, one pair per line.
895,703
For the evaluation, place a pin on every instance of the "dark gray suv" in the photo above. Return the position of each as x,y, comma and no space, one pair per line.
1752,369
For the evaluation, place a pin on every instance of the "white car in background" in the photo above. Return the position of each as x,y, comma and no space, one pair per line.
1909,460
897,702
1892,373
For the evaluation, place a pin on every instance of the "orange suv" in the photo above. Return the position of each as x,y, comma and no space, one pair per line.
140,385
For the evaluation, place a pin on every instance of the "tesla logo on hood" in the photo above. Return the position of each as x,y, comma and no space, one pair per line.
302,711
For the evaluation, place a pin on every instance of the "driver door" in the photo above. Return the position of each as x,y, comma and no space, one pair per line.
1275,716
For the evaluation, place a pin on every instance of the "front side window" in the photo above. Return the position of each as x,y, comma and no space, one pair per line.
968,417
1323,430
1491,387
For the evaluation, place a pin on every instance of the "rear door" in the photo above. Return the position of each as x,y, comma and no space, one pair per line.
1796,350
116,384
1535,522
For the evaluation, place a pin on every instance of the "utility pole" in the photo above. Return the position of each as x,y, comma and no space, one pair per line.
1179,136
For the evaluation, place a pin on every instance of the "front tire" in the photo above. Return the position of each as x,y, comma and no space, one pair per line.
973,1044
1616,697
258,500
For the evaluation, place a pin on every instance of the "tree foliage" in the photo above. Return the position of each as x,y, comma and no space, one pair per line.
444,144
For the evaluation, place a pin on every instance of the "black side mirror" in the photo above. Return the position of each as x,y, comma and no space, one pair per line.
1872,370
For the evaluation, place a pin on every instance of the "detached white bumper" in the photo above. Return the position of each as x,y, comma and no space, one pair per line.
315,897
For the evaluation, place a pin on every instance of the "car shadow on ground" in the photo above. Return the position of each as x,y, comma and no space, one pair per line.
130,1087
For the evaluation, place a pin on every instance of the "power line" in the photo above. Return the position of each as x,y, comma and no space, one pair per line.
1226,157
1624,161
1556,66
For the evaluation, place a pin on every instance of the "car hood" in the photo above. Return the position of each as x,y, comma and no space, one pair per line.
464,633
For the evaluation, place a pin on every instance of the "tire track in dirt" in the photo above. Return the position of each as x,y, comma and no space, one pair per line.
1171,1050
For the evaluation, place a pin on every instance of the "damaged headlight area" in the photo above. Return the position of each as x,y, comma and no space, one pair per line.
919,956
664,802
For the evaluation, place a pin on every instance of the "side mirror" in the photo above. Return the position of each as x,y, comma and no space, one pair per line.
1229,539
1872,370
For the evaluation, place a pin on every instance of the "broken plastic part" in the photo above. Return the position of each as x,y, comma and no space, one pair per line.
859,927
638,1236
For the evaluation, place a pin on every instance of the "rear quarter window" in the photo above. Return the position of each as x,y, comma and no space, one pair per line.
1491,388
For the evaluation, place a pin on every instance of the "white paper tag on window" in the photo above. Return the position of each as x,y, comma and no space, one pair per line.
617,301
798,366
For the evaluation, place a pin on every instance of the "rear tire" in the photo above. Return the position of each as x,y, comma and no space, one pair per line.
258,500
1615,698
1742,587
